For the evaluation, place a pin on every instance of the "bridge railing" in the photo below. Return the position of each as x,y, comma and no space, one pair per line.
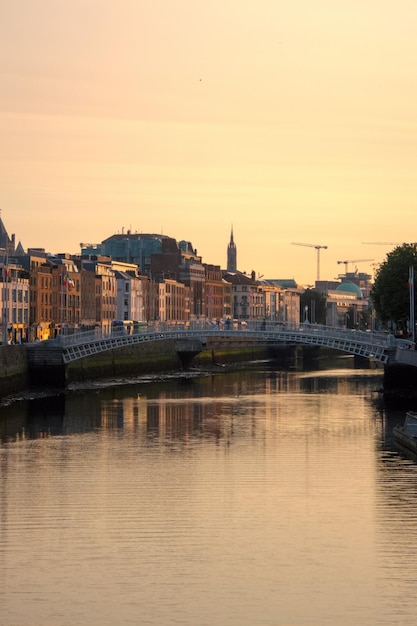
260,328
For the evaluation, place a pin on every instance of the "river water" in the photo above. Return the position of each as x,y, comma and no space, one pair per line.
236,498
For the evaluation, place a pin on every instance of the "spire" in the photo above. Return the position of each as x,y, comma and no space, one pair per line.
231,254
6,242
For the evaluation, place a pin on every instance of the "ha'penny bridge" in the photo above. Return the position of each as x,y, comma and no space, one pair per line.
60,353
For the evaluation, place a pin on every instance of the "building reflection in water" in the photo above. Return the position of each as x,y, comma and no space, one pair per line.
177,408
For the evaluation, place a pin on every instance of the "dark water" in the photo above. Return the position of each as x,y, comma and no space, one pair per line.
249,498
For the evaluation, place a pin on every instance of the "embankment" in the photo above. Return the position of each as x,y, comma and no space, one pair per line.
134,360
157,357
14,375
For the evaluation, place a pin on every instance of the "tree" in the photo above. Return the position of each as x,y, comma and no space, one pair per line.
391,291
313,303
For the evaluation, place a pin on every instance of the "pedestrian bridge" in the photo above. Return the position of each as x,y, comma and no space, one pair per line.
377,346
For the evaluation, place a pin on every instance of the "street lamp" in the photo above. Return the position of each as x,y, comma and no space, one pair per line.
411,286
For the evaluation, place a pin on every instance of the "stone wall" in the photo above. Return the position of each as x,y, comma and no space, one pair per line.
13,369
130,360
400,381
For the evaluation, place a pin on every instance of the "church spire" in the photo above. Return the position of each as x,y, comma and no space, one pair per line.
231,254
6,243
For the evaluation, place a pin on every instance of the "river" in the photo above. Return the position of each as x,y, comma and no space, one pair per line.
253,497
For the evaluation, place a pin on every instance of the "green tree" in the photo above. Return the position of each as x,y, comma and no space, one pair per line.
313,303
391,291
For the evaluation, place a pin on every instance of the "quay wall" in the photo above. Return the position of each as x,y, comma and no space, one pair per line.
14,371
133,360
159,356
400,382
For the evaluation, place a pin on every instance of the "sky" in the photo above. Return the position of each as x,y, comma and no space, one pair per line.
292,121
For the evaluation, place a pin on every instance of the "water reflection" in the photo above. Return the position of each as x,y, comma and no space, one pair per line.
249,497
172,408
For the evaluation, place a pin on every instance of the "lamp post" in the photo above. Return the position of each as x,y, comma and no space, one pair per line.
4,316
411,286
5,300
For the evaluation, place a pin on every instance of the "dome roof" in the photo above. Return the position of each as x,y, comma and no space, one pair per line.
351,288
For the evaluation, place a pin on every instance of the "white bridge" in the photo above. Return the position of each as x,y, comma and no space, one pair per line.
377,346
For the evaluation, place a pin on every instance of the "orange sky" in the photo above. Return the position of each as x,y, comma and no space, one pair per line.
293,121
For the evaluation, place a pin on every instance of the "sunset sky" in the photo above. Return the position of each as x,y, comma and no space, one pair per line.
293,121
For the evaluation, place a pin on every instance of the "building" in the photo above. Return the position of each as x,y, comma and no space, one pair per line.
167,262
192,274
136,248
66,294
273,296
282,300
14,302
174,302
290,307
213,293
347,307
105,292
88,319
131,296
247,296
41,298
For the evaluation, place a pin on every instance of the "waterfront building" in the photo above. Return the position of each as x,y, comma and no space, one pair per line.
285,303
66,294
41,297
247,296
227,299
55,293
14,302
347,307
290,307
213,292
131,295
88,320
105,292
192,274
272,298
174,302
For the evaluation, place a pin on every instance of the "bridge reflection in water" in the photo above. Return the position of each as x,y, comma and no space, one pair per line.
378,346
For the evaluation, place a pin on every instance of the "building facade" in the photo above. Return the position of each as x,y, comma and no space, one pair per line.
14,303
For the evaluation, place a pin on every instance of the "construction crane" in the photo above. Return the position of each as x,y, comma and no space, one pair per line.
346,263
381,243
318,248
